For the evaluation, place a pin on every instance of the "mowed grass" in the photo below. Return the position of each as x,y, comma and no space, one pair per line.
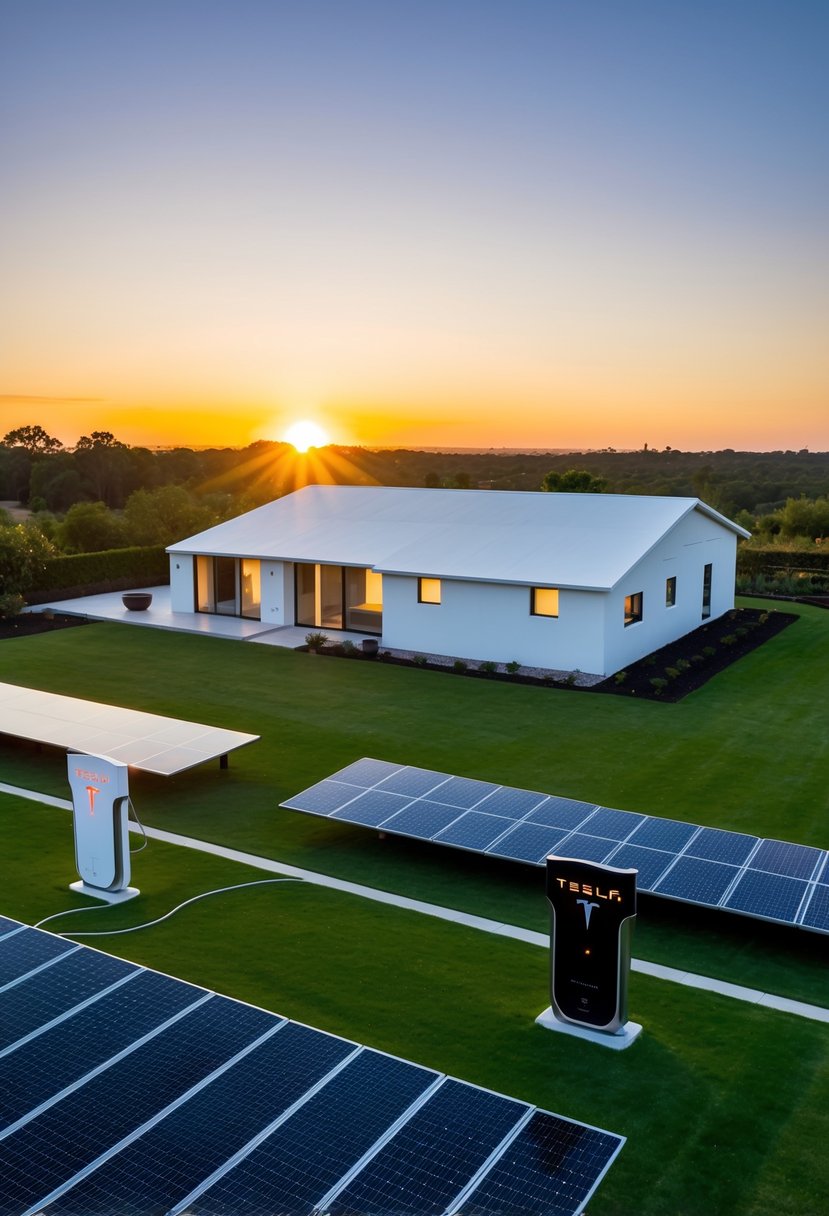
725,1104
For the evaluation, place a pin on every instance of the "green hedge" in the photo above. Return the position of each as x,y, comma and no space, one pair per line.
93,573
788,561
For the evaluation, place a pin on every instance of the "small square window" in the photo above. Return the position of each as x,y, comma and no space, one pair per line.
670,592
633,608
428,590
544,601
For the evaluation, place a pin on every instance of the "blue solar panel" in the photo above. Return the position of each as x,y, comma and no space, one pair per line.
528,842
31,948
597,833
697,881
668,834
51,993
47,1151
8,926
371,808
561,813
42,1067
367,772
816,915
778,857
651,863
416,782
158,1095
512,803
771,896
463,792
422,819
430,1160
559,1166
713,844
307,1156
324,797
617,825
169,1161
474,830
587,848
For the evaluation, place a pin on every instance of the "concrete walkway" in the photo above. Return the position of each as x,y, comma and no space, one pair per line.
752,996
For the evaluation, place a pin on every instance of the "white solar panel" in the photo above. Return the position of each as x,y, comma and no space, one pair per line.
148,742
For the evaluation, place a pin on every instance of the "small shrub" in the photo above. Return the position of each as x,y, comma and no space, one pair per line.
728,639
512,667
648,661
620,677
11,604
682,664
741,631
570,678
709,651
658,684
763,618
419,660
349,648
488,667
460,666
316,641
696,659
671,672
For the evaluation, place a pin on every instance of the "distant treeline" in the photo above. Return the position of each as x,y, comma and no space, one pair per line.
102,469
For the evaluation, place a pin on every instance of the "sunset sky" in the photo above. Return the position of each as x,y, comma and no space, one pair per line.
505,223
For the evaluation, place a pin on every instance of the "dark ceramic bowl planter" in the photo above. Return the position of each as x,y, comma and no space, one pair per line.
370,646
137,601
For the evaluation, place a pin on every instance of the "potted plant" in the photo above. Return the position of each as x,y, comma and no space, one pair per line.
315,642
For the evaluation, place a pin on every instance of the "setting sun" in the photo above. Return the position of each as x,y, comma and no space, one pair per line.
304,435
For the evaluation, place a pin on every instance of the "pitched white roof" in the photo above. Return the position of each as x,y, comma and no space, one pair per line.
563,540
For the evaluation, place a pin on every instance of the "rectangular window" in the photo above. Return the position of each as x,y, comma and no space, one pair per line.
250,588
706,591
670,592
428,590
544,601
633,608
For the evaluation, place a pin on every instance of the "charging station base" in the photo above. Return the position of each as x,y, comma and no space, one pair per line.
108,897
617,1042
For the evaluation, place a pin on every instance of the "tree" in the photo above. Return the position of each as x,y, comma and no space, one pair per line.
574,481
98,439
33,438
805,517
90,527
23,554
165,515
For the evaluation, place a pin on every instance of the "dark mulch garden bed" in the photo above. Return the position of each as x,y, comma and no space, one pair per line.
29,623
668,674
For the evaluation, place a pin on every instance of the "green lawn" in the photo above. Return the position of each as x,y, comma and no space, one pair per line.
725,1105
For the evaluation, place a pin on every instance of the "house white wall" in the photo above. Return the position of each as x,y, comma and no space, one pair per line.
682,554
493,621
182,588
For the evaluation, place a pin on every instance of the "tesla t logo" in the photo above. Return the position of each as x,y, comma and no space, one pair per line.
92,790
588,908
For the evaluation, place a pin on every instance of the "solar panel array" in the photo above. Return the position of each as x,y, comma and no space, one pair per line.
144,741
124,1090
767,879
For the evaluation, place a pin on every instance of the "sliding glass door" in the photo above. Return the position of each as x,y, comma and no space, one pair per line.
339,597
228,586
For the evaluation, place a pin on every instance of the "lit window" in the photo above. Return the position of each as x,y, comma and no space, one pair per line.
633,608
544,601
670,592
428,590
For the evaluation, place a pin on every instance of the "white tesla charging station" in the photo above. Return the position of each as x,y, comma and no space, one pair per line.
100,803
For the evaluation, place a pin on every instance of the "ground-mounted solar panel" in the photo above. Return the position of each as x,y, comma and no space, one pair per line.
815,914
29,951
8,926
474,830
706,866
153,1095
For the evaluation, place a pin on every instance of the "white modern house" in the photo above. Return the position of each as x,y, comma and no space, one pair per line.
587,582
